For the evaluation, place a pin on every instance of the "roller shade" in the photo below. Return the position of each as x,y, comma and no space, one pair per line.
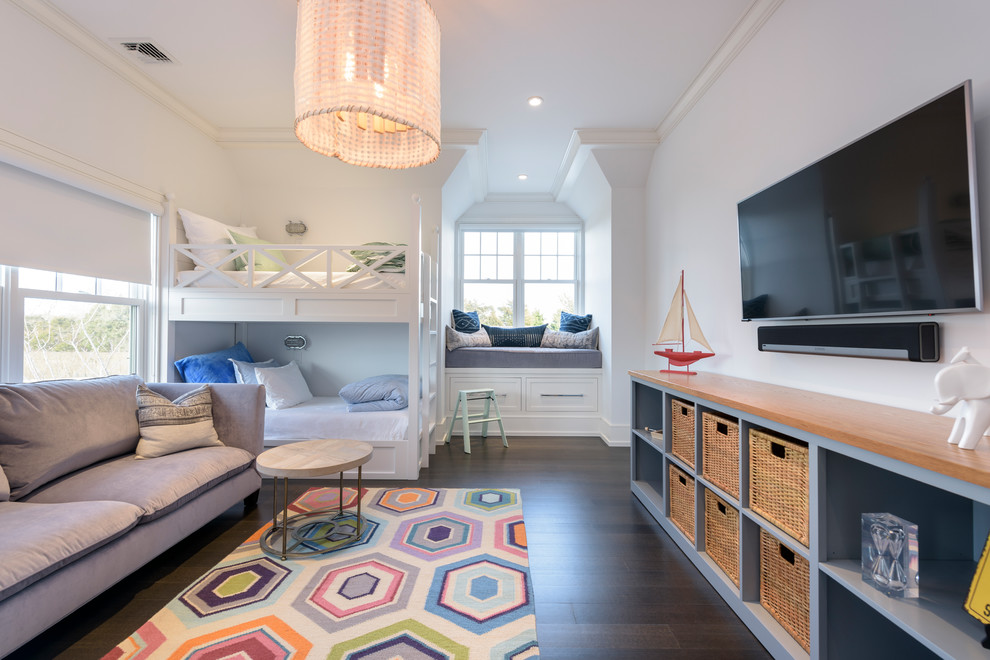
50,225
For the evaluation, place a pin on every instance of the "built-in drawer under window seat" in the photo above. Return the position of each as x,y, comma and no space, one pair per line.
540,391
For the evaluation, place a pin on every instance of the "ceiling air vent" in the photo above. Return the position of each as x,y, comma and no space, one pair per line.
146,51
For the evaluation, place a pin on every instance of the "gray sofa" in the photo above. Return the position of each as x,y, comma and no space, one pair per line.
78,509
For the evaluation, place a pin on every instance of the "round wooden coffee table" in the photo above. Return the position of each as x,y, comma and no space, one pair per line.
323,530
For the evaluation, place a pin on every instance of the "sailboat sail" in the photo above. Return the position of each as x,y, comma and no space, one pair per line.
673,326
696,333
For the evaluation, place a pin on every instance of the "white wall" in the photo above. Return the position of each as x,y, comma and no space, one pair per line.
340,204
61,99
817,76
591,198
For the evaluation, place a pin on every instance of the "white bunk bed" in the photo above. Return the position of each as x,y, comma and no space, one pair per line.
326,284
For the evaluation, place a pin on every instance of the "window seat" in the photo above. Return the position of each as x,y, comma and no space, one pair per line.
487,357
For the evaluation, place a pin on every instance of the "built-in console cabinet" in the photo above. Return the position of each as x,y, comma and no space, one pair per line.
782,544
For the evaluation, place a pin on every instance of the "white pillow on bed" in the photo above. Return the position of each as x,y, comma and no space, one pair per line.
284,386
244,371
201,230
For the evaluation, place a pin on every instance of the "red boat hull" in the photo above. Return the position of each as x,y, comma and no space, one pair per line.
682,358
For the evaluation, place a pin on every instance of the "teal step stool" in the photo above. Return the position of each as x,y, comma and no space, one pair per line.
467,418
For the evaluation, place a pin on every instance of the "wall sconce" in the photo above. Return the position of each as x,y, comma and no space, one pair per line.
295,342
295,228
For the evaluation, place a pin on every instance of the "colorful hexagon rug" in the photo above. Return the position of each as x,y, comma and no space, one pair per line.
436,573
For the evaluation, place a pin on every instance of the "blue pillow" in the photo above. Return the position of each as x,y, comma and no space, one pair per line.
212,367
574,323
465,321
528,337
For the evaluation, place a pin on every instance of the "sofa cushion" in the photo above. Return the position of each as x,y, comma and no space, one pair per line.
171,426
52,428
157,486
4,486
39,539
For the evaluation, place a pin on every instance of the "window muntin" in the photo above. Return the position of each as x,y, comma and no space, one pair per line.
520,277
64,326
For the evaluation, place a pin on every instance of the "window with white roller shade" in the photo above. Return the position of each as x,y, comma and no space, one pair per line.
48,225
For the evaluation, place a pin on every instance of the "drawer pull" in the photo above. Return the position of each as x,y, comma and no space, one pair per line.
577,395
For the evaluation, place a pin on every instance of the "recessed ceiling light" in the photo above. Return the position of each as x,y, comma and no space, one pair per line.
523,177
535,100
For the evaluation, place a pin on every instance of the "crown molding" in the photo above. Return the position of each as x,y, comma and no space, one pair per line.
741,34
57,21
584,140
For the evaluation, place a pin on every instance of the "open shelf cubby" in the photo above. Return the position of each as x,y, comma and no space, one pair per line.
860,458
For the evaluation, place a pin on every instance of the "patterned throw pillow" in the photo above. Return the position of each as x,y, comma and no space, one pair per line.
457,339
465,321
557,339
171,426
574,323
528,337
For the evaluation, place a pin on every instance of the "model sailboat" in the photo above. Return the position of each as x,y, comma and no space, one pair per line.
672,332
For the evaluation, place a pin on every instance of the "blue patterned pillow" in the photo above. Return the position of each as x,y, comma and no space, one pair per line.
465,321
212,367
528,337
574,323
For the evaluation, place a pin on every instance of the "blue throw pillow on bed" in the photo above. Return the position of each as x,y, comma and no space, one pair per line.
212,367
528,337
574,323
465,321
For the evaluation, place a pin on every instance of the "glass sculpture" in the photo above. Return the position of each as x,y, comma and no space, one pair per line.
890,554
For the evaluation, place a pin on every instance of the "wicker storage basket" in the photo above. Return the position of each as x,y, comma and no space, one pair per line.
784,588
682,430
682,501
720,452
778,482
722,534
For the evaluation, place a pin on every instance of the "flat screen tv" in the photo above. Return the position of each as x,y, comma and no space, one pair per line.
886,225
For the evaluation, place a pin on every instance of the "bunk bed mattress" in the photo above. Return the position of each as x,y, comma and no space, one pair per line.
327,417
196,279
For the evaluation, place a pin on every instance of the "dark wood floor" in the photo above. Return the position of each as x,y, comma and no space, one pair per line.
609,584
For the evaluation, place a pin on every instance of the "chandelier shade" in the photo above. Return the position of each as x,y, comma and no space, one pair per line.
367,81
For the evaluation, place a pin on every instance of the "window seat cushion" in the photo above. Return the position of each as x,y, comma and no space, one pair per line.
523,358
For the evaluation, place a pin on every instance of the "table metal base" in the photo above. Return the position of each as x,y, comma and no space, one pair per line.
311,533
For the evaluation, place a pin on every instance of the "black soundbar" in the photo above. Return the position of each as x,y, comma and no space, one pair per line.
917,342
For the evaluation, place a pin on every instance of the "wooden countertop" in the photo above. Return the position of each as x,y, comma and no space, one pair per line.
917,438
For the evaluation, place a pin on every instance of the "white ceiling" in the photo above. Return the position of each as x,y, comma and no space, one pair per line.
599,65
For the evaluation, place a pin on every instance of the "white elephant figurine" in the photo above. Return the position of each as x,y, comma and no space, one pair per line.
967,381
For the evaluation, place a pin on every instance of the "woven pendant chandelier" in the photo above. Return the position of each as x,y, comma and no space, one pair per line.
367,81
